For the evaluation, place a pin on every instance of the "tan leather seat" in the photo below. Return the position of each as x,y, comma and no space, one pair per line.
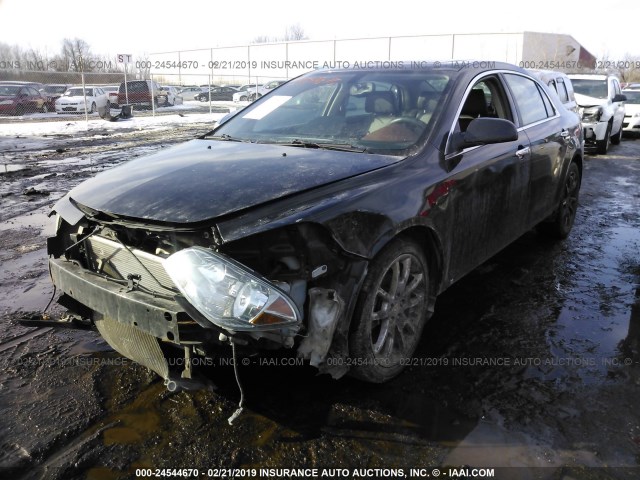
474,107
384,108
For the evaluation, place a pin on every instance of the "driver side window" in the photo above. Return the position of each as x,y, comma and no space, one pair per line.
485,99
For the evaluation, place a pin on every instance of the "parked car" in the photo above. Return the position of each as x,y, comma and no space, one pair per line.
602,108
218,93
77,100
264,89
112,94
52,92
18,98
324,218
559,84
139,92
245,91
189,93
169,96
631,124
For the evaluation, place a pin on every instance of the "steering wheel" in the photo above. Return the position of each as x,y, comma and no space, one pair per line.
413,122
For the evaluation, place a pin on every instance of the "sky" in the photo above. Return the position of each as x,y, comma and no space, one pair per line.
140,26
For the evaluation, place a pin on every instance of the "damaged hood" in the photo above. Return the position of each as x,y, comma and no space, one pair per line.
587,101
204,179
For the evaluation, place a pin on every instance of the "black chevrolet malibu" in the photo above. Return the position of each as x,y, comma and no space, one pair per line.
324,218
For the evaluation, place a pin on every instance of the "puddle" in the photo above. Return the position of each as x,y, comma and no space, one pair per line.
12,167
38,219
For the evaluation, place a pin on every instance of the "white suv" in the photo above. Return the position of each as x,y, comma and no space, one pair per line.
602,108
264,89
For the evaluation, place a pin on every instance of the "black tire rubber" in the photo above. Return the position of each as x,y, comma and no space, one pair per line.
45,109
560,224
602,146
617,138
390,313
93,108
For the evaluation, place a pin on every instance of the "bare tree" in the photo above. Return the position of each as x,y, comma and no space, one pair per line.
143,73
263,39
76,52
294,32
291,34
629,69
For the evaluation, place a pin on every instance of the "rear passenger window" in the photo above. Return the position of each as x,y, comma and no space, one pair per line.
562,91
532,103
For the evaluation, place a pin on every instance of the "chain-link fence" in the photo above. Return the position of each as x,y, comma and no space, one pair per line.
204,80
82,96
290,59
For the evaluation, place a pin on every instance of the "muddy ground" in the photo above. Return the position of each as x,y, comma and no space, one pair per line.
531,362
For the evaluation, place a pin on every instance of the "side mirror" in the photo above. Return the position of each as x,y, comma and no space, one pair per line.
619,98
485,131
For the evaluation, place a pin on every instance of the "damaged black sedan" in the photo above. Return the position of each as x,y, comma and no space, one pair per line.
325,218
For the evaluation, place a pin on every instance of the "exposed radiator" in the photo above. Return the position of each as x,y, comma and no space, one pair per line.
111,258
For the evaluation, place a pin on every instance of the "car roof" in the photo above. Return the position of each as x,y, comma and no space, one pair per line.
590,76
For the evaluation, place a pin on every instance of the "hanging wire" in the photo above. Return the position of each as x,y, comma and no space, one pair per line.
240,408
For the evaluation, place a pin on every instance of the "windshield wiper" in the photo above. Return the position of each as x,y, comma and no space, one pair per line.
343,147
226,137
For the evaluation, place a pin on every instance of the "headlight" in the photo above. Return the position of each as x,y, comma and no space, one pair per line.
592,114
227,293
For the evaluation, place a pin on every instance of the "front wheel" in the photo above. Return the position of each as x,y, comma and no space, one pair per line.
602,146
45,109
617,138
390,313
93,108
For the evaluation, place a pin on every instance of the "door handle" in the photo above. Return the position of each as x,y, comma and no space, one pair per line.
523,152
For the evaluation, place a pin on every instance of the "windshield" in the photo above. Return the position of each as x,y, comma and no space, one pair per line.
388,111
11,90
137,87
632,96
55,88
77,92
590,88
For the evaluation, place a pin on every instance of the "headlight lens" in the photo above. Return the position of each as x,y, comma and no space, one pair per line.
592,114
227,293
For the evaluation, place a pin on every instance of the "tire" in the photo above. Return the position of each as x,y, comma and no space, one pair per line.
617,138
602,146
93,108
45,109
390,313
560,224
243,98
20,110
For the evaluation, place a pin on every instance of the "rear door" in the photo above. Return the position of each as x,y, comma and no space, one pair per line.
549,137
618,116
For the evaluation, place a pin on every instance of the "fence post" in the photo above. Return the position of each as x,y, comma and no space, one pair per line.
84,92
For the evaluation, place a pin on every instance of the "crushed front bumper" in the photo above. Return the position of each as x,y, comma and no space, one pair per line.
156,316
